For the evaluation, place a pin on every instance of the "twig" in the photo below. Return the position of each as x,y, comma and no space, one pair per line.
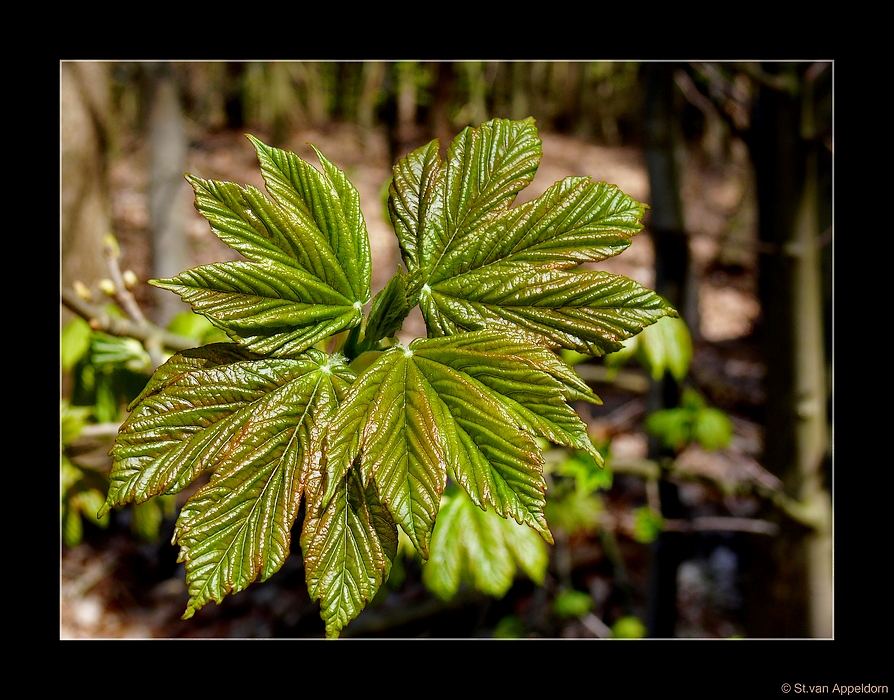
722,524
100,320
764,485
122,293
596,625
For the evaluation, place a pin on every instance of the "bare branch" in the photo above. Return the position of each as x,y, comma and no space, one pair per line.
100,320
122,293
722,524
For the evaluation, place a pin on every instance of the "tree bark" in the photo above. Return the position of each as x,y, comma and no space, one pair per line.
663,142
791,589
86,205
169,193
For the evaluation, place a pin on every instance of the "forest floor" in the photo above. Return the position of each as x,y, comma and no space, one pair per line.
114,586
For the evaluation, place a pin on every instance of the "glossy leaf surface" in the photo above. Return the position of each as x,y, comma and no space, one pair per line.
468,407
370,447
255,424
348,549
307,272
475,262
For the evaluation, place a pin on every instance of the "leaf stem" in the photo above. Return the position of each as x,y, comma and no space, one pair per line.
350,348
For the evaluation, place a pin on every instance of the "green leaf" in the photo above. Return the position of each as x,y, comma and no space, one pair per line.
348,548
666,347
576,511
712,429
672,425
474,262
629,627
74,342
475,547
589,474
647,524
307,272
389,309
256,424
469,406
571,603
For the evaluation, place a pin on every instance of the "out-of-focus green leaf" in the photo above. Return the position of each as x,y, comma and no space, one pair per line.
107,350
74,342
570,604
509,627
475,262
72,420
647,524
469,406
628,627
81,498
474,547
193,325
713,429
146,518
307,272
672,425
666,346
575,511
692,421
589,475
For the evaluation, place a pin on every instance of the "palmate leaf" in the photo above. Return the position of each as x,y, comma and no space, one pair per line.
307,272
476,262
256,424
468,407
370,447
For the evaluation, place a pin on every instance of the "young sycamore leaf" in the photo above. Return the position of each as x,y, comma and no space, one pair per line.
474,262
255,424
367,437
308,270
348,548
469,407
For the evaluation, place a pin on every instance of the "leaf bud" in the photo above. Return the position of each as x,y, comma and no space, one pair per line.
130,279
82,291
107,286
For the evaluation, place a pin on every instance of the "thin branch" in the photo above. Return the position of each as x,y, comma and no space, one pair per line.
100,320
722,524
122,293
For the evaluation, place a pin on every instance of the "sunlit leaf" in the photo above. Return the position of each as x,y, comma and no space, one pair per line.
389,309
475,262
474,547
467,406
348,549
307,272
249,422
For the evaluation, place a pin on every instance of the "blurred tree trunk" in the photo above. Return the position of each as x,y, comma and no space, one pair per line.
440,125
372,77
663,144
169,193
791,592
86,206
400,111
